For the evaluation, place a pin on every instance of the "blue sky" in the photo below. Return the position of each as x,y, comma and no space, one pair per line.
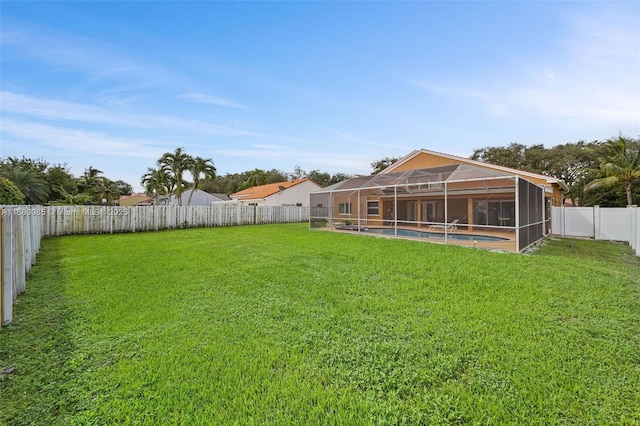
325,85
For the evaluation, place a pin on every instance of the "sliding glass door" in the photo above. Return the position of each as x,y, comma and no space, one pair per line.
494,213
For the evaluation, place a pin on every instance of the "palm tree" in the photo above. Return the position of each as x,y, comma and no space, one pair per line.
619,164
256,177
89,180
30,183
154,182
107,190
201,167
176,163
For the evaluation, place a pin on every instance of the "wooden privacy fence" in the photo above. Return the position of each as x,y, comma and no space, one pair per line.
20,235
22,228
67,220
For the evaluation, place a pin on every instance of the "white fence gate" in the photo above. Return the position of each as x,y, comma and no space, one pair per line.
600,223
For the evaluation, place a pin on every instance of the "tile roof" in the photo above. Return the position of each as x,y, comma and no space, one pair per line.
134,195
264,191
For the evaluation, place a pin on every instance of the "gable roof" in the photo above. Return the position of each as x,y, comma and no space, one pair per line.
434,177
135,195
223,197
264,191
201,195
413,154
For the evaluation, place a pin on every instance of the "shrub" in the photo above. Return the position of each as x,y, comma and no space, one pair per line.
9,193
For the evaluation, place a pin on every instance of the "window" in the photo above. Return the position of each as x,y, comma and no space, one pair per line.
373,208
344,208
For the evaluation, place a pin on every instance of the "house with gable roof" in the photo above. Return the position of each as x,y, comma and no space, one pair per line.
433,195
289,193
135,199
198,198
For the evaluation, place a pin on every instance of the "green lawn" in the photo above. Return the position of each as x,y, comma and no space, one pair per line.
278,324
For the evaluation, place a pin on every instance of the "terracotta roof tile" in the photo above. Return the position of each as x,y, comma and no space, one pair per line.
263,191
126,197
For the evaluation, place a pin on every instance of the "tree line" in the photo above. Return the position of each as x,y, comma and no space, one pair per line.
168,178
27,181
605,173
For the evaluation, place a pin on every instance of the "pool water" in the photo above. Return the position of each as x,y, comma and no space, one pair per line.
434,235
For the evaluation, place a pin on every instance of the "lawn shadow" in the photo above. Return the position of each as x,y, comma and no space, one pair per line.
37,345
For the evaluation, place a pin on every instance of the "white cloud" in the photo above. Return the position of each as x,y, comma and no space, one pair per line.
55,110
100,60
593,78
48,109
79,141
211,100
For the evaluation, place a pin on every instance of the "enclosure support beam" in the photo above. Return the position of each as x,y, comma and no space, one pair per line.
517,215
544,213
446,215
395,211
1,268
330,212
470,213
359,210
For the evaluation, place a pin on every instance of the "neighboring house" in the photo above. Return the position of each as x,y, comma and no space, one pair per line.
135,200
295,193
199,198
428,189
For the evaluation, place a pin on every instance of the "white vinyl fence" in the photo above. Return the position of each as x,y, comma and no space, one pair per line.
22,228
600,223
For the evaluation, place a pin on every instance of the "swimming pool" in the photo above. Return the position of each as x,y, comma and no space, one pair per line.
433,235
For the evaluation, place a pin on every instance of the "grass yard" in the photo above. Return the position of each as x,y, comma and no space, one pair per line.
278,324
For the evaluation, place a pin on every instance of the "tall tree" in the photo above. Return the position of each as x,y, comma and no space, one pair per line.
256,177
154,182
123,187
338,177
298,172
619,165
512,155
107,191
380,165
61,182
176,163
89,180
201,168
275,175
57,177
325,179
30,183
573,163
321,178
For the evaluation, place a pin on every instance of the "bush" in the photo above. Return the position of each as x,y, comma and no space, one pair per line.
9,193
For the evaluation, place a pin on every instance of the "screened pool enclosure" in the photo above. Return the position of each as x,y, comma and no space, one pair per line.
458,204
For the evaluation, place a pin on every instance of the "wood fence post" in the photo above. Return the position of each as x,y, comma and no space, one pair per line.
1,267
7,266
